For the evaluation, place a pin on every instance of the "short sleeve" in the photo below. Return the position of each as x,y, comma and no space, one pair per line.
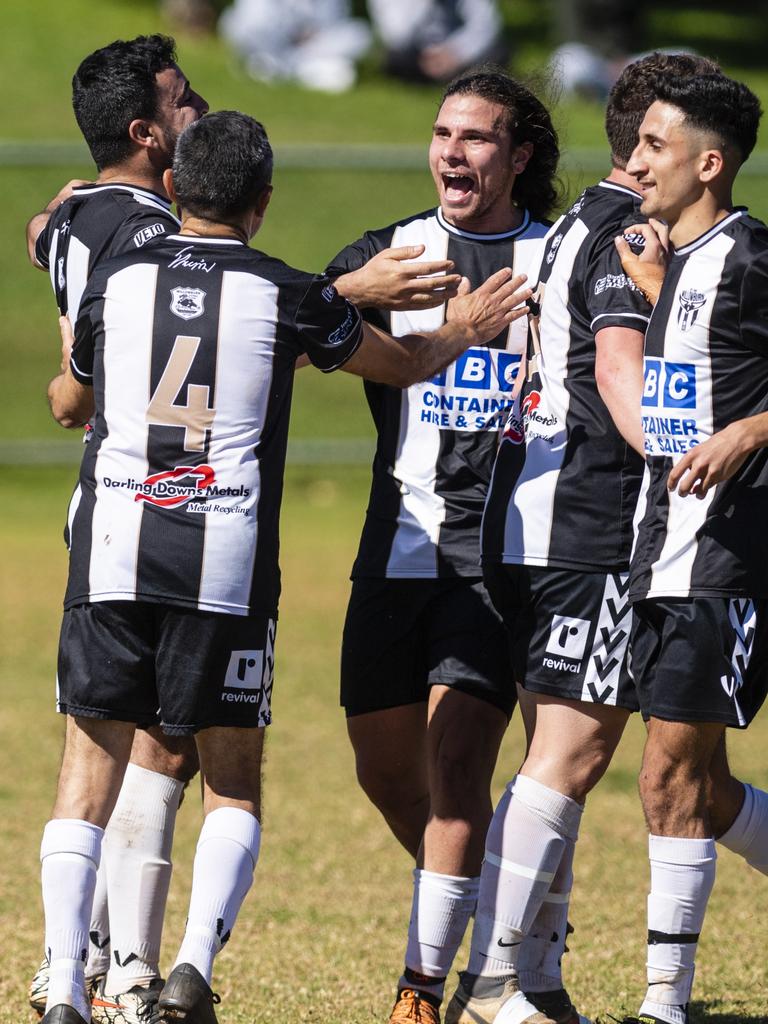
43,245
753,306
611,297
352,257
141,228
330,329
81,360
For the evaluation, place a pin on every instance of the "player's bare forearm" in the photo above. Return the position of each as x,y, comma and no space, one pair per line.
71,402
476,318
619,378
718,458
389,281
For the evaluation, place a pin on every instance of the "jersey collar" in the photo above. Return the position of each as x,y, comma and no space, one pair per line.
697,243
117,186
477,237
204,240
620,188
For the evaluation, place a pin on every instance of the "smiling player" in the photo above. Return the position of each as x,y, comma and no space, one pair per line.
425,676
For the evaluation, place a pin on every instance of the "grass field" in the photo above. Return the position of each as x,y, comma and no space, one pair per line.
322,934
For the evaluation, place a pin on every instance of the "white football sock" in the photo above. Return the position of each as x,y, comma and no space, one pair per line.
748,835
69,853
682,876
538,964
226,856
98,931
525,844
137,850
441,909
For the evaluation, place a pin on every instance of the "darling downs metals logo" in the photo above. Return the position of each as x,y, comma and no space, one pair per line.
174,487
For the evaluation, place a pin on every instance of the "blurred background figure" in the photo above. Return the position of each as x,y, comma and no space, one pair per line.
433,40
313,42
598,38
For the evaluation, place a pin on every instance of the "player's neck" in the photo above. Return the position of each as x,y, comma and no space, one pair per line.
620,177
696,219
128,174
199,227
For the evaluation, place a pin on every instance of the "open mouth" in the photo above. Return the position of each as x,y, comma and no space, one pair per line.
457,187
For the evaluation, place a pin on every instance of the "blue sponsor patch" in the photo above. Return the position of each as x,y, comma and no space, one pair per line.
669,385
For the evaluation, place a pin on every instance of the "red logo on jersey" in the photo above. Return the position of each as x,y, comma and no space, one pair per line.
531,401
160,488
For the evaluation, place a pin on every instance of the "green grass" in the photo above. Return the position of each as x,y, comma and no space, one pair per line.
322,933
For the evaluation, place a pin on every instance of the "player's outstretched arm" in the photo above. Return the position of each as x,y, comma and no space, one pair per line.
718,458
389,281
71,402
38,222
476,317
647,268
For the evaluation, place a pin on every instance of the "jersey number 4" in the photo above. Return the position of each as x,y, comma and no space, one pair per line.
164,408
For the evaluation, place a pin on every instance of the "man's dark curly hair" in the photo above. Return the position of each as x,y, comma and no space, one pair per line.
114,86
638,87
717,105
537,188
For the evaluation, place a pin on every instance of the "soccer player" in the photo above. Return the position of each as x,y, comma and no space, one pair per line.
185,351
425,676
131,101
697,578
556,544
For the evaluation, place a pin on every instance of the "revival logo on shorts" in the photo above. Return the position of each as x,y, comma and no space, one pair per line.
250,677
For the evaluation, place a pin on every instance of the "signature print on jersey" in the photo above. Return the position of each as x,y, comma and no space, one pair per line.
187,303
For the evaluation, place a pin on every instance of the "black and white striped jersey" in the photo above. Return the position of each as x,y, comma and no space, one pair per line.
706,365
437,440
190,345
96,222
565,483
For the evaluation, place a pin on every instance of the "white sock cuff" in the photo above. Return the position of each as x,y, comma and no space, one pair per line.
71,835
235,824
558,810
674,850
741,833
161,786
452,886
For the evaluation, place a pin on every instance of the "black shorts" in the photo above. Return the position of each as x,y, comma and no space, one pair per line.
403,636
568,631
135,661
701,659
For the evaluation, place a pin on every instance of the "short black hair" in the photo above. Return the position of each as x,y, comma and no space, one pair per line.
718,105
638,87
222,164
537,188
115,85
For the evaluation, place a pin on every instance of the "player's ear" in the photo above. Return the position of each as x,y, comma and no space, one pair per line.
520,156
263,201
168,184
140,132
711,164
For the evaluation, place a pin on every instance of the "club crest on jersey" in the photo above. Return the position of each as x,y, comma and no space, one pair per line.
187,303
177,486
691,302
